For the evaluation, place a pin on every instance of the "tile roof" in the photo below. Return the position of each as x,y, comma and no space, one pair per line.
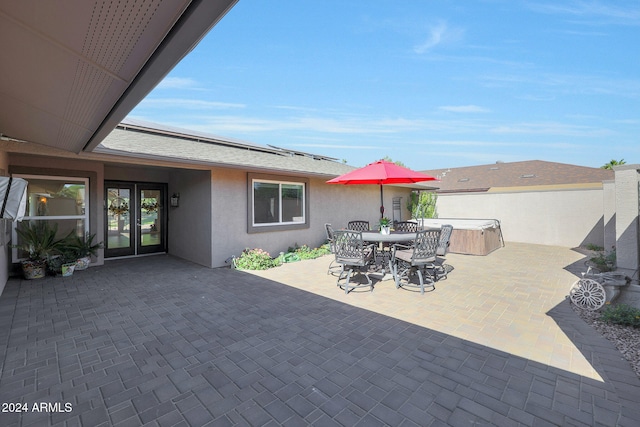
517,174
135,138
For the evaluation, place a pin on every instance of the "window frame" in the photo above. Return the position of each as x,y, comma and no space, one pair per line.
253,227
85,217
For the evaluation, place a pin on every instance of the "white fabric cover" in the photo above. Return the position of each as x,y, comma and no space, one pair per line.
460,223
15,202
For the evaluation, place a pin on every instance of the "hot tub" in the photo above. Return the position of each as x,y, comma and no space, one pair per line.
470,236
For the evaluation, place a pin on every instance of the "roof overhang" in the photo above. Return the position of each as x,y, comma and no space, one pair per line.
71,71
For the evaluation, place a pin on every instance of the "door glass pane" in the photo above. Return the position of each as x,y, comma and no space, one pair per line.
118,218
150,221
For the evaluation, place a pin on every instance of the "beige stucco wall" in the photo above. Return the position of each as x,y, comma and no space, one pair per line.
339,204
135,173
190,224
626,198
609,213
210,225
335,204
563,218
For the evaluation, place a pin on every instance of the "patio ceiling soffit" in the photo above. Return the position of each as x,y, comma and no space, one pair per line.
72,72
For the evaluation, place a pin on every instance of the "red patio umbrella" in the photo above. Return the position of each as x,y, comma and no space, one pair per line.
381,172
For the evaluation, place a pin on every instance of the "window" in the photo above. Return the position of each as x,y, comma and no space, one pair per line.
61,200
276,203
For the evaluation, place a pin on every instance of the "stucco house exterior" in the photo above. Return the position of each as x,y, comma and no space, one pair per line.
228,195
66,88
535,201
66,84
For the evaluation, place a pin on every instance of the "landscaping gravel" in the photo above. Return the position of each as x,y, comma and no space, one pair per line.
625,338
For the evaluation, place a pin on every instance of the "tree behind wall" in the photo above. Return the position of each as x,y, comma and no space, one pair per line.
613,163
422,204
397,162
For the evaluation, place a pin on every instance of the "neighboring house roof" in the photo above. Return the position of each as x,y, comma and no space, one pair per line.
516,175
135,138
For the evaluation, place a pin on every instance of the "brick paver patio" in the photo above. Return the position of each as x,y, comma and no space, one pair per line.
159,341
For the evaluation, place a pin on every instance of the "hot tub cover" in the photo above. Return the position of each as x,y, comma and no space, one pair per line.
461,223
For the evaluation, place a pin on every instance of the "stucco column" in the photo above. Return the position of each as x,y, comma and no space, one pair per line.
609,214
627,198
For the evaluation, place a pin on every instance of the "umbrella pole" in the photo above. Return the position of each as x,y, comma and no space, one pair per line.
381,202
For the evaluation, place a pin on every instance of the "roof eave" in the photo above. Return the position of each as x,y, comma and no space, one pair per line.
192,26
170,161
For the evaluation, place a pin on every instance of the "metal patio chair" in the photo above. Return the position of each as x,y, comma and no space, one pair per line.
443,248
354,257
416,261
406,226
358,225
333,266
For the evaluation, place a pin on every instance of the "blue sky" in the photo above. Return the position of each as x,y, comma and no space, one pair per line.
433,84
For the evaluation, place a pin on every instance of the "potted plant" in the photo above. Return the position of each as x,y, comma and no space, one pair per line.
84,248
63,264
67,269
385,225
38,240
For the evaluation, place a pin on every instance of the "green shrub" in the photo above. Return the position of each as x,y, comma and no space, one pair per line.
255,259
305,252
605,262
621,314
259,259
593,247
39,239
289,257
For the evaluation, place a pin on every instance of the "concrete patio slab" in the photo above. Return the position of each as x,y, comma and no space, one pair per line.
163,342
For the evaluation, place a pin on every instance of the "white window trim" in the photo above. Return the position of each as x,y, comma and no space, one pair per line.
252,227
85,216
280,221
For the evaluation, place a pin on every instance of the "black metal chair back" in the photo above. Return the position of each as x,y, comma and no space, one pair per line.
358,225
445,237
332,247
406,226
418,260
329,231
425,247
354,256
349,248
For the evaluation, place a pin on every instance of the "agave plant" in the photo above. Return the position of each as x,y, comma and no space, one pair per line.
85,246
38,240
